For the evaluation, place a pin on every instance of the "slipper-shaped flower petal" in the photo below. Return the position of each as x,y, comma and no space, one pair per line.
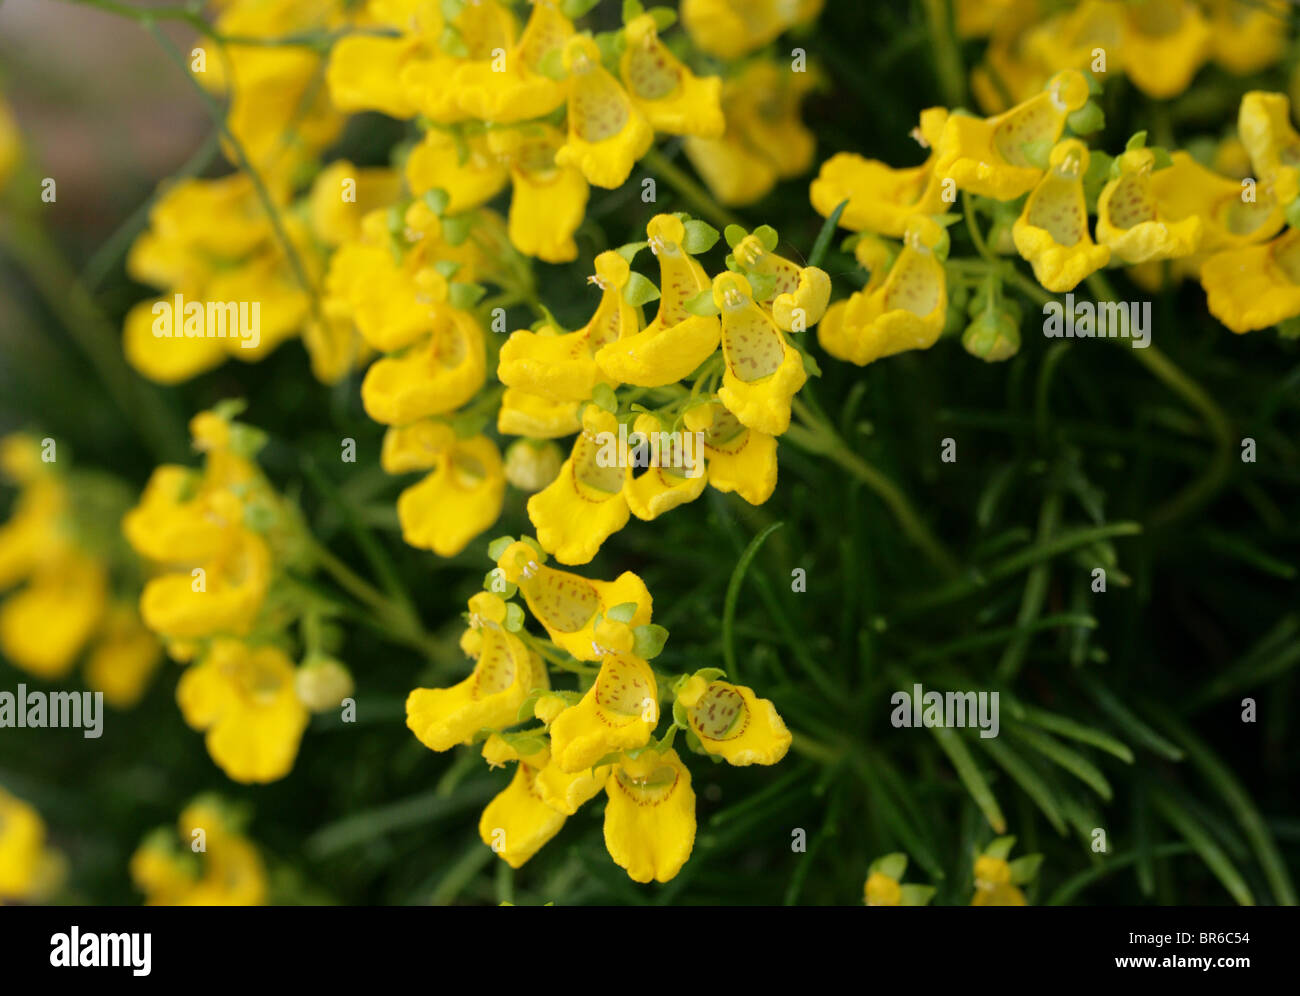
607,132
618,712
1052,230
431,378
650,815
1133,223
1255,286
673,99
763,372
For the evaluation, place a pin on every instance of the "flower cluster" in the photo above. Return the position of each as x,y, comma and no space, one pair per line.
1158,44
1031,171
222,544
215,864
599,736
78,584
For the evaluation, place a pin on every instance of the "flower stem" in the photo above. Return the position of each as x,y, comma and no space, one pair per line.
820,436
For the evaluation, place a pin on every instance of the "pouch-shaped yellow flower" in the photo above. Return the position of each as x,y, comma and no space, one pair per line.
1244,38
366,73
650,815
392,304
458,499
665,469
244,697
607,131
799,295
987,156
905,311
431,378
563,367
467,170
1165,43
1255,286
734,723
29,870
676,341
739,458
567,604
1264,124
342,194
880,197
509,86
221,595
504,673
1187,189
732,28
518,822
1133,223
537,417
763,371
549,201
124,657
585,504
478,32
618,712
1052,230
44,626
672,98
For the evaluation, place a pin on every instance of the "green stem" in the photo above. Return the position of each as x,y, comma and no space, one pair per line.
819,436
1216,421
690,191
947,57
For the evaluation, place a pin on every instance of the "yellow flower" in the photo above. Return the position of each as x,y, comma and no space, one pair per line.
880,197
881,890
532,464
1052,230
585,504
1165,43
739,458
29,870
567,792
44,626
607,131
1245,38
514,88
1133,223
906,310
1187,189
676,341
537,417
366,73
518,823
467,170
987,155
799,295
618,712
1264,124
1255,286
650,815
567,604
672,98
461,496
244,698
479,30
763,371
563,367
222,595
227,871
765,140
124,657
733,723
343,194
669,470
433,377
732,28
549,201
504,673
993,885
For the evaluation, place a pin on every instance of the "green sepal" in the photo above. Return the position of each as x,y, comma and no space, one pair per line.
640,290
498,546
700,237
648,640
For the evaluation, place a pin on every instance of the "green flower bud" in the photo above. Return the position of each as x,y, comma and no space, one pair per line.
993,336
322,683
